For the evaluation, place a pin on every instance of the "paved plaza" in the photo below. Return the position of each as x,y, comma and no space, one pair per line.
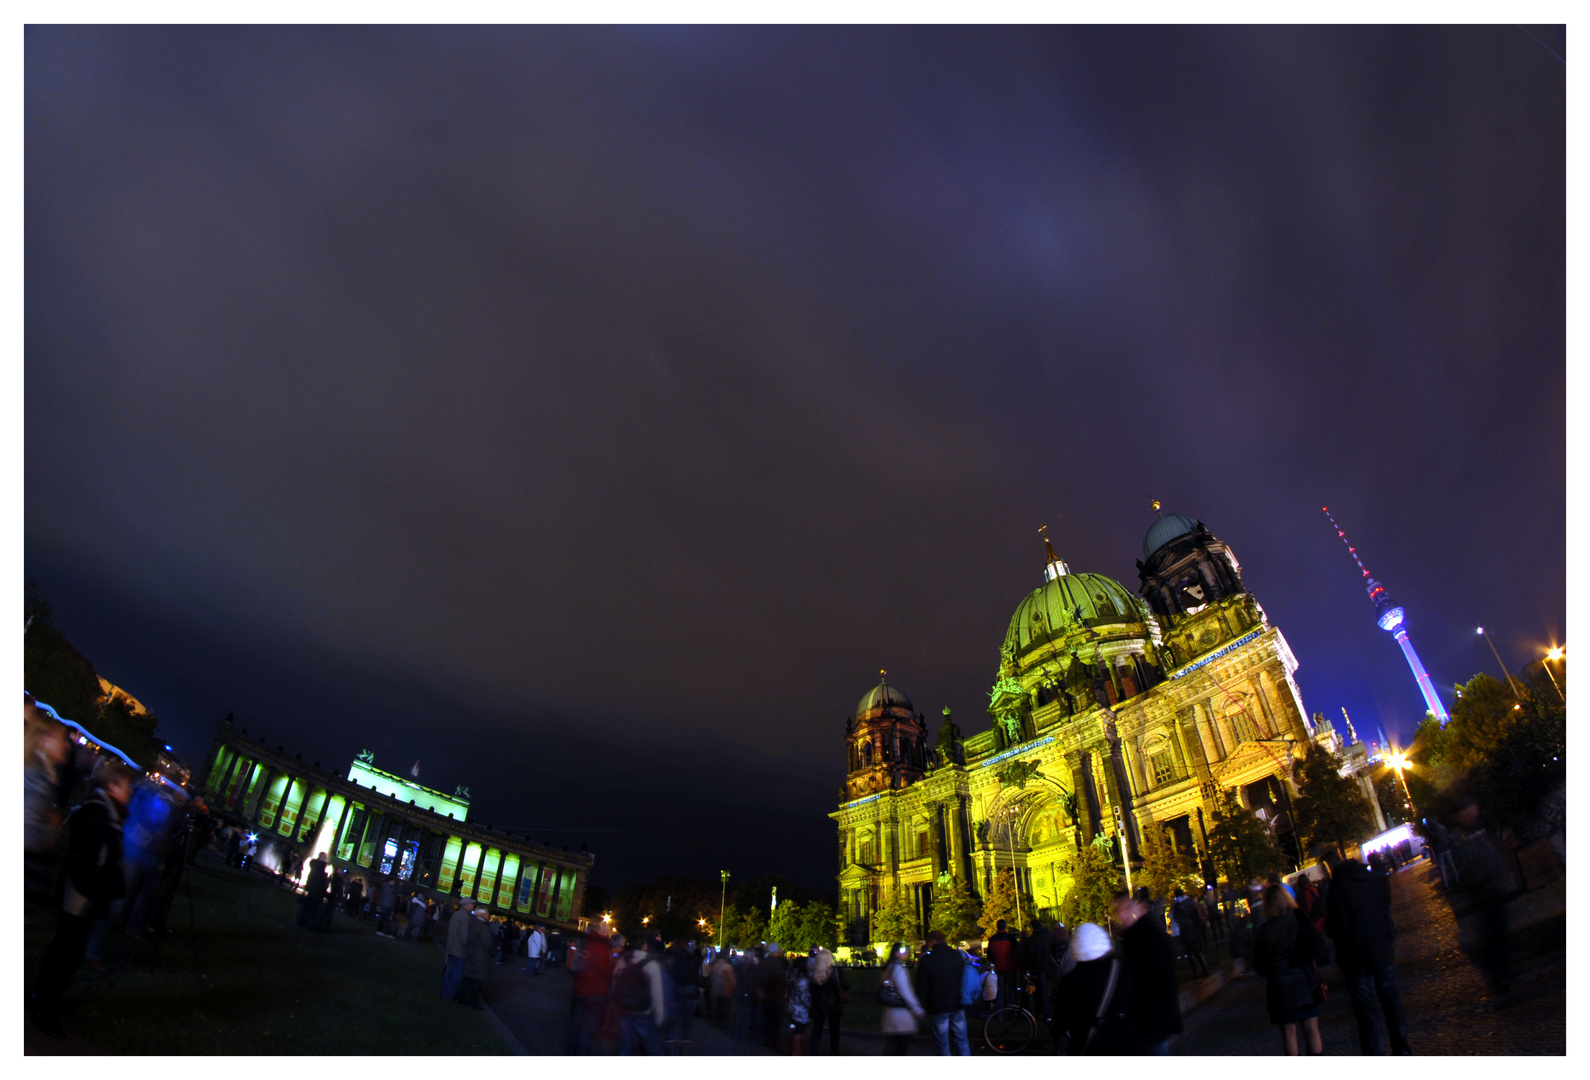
1450,1010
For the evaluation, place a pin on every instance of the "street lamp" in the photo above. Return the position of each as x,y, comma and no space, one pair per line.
1480,630
1554,653
1398,760
1010,812
723,899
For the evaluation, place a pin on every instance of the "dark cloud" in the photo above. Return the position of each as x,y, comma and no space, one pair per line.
590,412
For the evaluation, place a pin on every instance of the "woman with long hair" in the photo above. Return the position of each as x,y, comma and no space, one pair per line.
901,1010
830,991
1286,951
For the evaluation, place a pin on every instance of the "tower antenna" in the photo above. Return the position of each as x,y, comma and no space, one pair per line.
1390,618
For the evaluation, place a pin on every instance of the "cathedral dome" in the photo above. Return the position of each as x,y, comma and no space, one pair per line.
881,696
1164,531
1067,601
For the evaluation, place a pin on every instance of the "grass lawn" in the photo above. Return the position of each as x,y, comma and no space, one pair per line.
248,981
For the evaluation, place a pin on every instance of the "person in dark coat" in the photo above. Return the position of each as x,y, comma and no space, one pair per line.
830,988
335,886
478,945
1189,916
1156,1001
314,893
1096,1019
1286,951
938,989
93,880
1358,920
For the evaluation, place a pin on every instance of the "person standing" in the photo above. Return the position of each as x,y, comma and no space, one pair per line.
1484,883
1040,950
1189,918
939,978
1093,1005
639,993
416,925
720,989
1002,951
355,891
93,880
1358,920
535,951
1156,1000
747,997
591,964
1286,951
336,886
830,993
314,894
1215,917
457,943
775,995
477,957
685,968
800,1004
901,1009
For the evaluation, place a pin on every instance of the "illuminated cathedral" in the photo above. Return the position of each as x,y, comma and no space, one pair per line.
1114,713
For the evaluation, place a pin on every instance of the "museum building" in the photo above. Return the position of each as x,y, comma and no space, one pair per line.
1114,713
375,823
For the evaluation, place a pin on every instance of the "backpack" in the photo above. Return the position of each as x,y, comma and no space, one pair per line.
971,983
633,987
990,986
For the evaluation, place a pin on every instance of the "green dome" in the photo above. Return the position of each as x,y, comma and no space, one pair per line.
1057,606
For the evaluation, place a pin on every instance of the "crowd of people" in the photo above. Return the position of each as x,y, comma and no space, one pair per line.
105,848
645,995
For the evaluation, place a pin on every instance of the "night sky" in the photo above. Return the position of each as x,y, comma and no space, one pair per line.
590,413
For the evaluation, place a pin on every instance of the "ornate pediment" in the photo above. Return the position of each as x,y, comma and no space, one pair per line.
1248,762
1017,773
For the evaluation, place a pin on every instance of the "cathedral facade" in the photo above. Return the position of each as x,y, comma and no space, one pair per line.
1114,713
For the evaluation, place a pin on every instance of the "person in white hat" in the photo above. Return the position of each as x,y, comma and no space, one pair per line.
1093,1007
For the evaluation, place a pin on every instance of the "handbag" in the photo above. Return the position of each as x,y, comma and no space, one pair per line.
1322,992
889,996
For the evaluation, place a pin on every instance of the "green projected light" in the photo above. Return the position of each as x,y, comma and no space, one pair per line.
386,783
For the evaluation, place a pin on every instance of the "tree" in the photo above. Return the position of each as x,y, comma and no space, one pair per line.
955,910
1006,902
1095,879
1510,753
896,920
785,926
54,672
1330,808
744,927
818,927
1166,869
1240,845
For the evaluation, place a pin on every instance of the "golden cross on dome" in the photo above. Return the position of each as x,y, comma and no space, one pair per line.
1155,505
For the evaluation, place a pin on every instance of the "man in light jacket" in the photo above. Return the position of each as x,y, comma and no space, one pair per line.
536,946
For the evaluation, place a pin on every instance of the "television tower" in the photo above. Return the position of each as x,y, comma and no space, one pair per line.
1390,618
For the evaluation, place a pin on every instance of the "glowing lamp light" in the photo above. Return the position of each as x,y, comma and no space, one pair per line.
1554,653
1479,629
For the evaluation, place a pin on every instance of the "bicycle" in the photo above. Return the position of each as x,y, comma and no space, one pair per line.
1010,1029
